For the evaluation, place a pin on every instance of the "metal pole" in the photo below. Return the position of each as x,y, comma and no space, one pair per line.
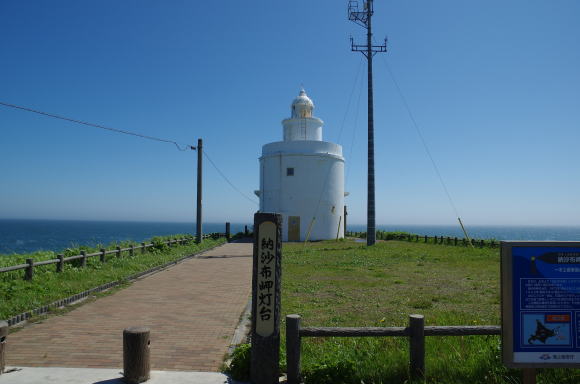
371,236
198,231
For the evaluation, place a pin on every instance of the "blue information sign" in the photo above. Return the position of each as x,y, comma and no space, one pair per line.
541,303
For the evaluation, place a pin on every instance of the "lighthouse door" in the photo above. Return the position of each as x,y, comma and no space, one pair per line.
293,228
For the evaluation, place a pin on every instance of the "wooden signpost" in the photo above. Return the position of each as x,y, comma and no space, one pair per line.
266,298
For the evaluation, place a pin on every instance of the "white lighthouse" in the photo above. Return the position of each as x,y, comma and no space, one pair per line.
302,178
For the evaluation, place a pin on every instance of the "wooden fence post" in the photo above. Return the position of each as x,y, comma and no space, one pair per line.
481,242
136,351
29,271
456,241
425,239
228,231
132,251
246,230
60,264
3,336
143,248
293,349
118,252
83,259
417,347
103,255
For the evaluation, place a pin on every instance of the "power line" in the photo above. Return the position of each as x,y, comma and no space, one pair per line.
421,137
354,131
184,148
349,101
228,181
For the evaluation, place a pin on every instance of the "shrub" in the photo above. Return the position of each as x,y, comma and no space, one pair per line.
239,368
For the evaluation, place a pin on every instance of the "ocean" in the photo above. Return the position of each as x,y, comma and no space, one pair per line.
25,236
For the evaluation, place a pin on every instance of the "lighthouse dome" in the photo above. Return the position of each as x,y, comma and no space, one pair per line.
302,106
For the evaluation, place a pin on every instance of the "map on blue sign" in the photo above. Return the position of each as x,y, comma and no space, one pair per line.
546,304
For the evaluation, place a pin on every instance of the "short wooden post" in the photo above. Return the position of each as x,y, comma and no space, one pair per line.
228,231
136,351
425,239
481,243
456,241
246,230
29,271
3,336
103,255
83,259
266,276
293,349
118,252
143,248
528,376
132,251
60,264
417,347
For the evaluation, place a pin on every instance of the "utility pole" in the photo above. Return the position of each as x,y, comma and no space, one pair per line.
198,221
363,18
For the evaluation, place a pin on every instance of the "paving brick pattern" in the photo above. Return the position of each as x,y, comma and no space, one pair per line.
192,310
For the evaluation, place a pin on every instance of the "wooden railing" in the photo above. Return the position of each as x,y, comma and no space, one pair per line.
416,332
443,240
102,254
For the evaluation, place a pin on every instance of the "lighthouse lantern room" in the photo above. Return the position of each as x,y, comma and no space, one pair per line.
302,178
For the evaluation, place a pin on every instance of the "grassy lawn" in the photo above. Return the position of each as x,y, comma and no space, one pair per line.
17,295
347,284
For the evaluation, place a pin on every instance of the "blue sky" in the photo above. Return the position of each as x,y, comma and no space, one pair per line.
493,85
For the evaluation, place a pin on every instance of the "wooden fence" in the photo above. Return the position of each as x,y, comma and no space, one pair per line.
102,254
443,240
416,332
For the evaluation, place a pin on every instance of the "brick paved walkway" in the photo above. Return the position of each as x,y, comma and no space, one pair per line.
191,308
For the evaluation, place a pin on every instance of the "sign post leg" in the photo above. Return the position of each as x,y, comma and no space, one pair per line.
528,376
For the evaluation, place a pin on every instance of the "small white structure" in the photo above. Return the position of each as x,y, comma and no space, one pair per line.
302,178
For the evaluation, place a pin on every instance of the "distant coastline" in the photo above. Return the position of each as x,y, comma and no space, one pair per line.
26,236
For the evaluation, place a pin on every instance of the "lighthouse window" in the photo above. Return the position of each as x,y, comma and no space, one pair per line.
289,171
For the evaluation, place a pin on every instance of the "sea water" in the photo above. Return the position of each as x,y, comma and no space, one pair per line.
25,236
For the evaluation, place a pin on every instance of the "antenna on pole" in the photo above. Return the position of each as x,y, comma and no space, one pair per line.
363,18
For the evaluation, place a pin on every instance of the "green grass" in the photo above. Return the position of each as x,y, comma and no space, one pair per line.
18,295
347,284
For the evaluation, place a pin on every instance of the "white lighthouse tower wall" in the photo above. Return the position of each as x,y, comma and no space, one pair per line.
302,178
